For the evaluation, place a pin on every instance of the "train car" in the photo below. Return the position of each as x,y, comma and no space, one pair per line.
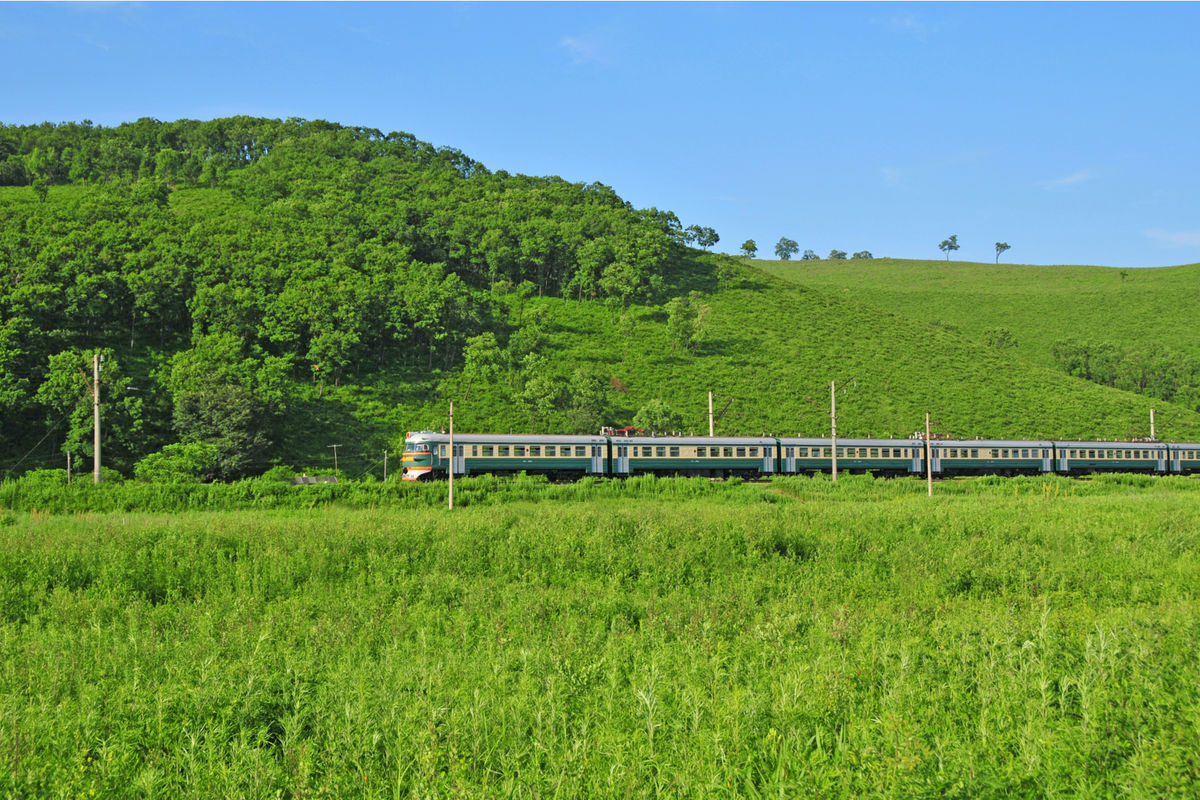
888,456
694,455
991,456
425,455
1184,457
1076,458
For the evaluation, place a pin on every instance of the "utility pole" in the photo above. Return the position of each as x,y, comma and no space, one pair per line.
96,416
833,425
928,456
451,455
1153,438
335,447
710,416
68,467
385,466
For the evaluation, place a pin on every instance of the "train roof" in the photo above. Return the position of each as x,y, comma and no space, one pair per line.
696,440
1113,445
787,441
1009,443
510,438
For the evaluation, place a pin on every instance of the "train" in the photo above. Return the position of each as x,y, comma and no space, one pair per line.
427,456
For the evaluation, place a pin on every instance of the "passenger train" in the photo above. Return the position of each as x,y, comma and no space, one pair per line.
427,456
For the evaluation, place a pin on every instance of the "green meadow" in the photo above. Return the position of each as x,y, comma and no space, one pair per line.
1030,637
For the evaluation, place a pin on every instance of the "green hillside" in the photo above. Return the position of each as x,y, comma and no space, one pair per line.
263,291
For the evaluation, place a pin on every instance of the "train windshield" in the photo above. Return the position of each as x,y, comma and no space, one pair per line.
412,447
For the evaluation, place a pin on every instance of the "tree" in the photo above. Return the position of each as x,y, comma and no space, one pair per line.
785,248
705,237
749,248
685,321
587,400
809,255
837,255
949,245
863,254
657,416
1000,248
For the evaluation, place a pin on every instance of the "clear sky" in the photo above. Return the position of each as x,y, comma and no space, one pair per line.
1070,131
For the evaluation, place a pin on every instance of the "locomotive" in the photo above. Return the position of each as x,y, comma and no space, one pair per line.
427,456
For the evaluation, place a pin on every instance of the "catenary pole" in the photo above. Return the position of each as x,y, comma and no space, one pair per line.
96,416
928,456
833,425
1153,438
451,454
385,466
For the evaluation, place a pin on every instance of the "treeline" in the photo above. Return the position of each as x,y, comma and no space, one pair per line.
220,264
1154,370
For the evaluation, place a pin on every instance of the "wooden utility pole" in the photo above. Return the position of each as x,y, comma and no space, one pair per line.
710,416
928,456
451,455
335,447
96,416
385,466
1153,438
833,424
68,467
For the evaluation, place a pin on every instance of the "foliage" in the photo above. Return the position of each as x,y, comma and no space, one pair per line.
810,255
785,248
749,248
742,640
1000,248
862,254
658,417
947,246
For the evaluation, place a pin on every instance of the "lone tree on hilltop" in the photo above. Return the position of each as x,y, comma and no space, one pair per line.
1000,248
810,255
948,245
863,254
749,248
837,255
785,248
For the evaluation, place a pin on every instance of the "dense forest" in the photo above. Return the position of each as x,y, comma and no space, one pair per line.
231,270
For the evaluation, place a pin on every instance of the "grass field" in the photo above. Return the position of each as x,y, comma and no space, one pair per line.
1038,304
1006,638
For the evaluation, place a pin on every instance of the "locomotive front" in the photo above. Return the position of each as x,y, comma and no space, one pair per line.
420,455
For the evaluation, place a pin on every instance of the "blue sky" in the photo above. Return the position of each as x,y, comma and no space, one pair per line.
1067,130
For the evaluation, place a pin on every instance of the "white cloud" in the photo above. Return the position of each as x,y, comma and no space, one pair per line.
1176,238
583,50
1078,176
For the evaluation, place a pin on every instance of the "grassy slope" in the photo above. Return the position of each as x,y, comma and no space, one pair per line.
1039,305
774,347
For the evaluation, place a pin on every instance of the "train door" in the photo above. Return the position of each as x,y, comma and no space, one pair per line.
1064,459
1047,460
622,459
789,459
597,466
1176,457
459,463
1161,453
935,453
918,459
768,459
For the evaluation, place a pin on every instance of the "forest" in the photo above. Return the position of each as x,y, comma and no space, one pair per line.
229,271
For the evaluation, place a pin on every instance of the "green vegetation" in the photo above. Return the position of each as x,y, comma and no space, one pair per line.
1011,638
264,290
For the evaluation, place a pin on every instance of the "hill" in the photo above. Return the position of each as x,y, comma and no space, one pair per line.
263,291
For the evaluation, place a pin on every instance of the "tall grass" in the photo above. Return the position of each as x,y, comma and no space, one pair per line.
1031,638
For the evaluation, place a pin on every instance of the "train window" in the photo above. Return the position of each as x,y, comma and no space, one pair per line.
701,451
727,452
674,452
741,452
442,451
551,450
502,450
754,452
661,452
580,450
488,450
474,449
535,449
1024,454
874,452
518,450
789,452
